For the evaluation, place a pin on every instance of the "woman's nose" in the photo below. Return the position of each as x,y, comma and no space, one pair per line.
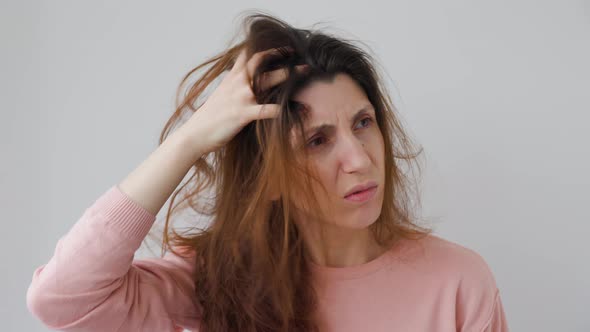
353,155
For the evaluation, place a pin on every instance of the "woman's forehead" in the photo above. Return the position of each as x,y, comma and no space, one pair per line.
341,95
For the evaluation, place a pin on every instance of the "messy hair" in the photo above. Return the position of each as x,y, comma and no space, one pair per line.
252,265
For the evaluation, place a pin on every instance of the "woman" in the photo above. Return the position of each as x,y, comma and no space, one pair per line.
311,224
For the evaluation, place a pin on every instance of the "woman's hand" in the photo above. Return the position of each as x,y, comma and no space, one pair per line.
232,104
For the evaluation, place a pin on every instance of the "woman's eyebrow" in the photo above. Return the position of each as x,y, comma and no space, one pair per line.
330,127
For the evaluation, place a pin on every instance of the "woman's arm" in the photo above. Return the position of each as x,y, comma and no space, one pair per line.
478,303
497,321
91,283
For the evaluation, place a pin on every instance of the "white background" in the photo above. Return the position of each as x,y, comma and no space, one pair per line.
495,91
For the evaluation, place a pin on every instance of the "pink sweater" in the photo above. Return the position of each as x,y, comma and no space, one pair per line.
92,283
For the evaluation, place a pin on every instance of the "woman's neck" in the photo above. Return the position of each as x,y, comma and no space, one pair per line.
341,247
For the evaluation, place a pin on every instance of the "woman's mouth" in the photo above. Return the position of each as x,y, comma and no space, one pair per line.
362,196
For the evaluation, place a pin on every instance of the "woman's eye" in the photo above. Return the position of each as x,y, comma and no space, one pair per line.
315,142
367,120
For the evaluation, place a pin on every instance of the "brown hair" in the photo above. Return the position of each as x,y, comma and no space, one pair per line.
252,269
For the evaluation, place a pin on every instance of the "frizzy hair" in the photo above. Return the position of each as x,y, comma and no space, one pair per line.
252,268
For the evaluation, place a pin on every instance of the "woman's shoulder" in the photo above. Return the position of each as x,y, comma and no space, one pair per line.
476,295
443,257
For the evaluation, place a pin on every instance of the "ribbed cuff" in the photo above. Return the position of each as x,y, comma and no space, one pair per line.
124,214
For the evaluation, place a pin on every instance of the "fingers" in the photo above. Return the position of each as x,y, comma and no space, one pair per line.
240,60
265,111
257,58
272,78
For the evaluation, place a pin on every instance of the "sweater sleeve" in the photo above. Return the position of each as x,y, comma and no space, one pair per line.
497,320
92,282
479,307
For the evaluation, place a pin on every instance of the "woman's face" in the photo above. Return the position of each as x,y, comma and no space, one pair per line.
346,151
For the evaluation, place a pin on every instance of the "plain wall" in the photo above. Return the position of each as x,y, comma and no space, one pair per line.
496,92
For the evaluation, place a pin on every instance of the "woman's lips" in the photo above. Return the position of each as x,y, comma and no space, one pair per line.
362,196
